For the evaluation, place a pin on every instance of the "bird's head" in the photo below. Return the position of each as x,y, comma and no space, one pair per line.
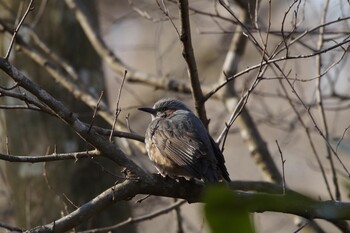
165,107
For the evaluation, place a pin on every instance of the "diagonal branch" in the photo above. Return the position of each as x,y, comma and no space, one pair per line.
133,220
188,54
58,76
92,33
119,192
110,150
29,8
249,131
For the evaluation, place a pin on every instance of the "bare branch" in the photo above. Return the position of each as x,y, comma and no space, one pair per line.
164,84
292,202
117,108
31,103
122,191
95,111
188,54
29,8
133,220
320,101
107,148
119,134
114,62
11,228
283,162
49,158
249,131
274,81
312,144
71,87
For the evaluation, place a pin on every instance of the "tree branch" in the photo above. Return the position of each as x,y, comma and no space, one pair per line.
119,192
112,60
48,158
188,54
104,146
291,203
29,8
320,104
133,220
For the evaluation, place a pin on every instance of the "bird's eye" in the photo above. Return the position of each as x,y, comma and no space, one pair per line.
162,109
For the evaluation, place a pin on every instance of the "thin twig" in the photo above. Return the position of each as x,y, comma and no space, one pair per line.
117,109
120,134
138,201
283,174
208,14
320,102
95,111
29,8
312,118
307,132
165,11
284,38
50,187
49,158
302,227
27,99
342,137
142,218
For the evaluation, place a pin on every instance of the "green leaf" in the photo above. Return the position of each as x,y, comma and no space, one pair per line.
223,213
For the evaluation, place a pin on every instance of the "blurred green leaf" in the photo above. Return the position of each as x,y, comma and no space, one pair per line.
223,213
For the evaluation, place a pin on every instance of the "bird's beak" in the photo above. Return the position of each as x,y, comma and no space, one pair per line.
149,110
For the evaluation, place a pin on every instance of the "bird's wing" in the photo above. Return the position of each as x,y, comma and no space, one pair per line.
221,160
177,139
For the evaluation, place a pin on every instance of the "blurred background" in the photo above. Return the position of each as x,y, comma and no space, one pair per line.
143,35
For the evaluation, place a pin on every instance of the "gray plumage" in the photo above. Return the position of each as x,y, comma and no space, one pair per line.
179,144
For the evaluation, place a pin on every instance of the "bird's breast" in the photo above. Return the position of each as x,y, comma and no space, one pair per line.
156,156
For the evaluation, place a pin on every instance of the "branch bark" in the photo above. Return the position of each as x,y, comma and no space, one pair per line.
188,54
291,203
48,158
104,146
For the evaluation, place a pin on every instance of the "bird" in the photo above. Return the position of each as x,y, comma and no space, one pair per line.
180,145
